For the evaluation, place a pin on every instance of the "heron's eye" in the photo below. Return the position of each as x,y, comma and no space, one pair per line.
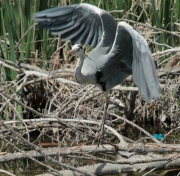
78,49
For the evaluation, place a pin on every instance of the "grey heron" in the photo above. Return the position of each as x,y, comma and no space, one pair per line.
119,49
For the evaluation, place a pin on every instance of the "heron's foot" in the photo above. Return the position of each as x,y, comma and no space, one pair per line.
100,134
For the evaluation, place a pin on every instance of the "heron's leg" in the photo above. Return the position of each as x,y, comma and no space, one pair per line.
101,131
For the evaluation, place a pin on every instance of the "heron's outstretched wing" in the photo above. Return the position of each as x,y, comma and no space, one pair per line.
83,23
132,49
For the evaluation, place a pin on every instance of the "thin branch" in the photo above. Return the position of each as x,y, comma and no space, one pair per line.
40,150
136,126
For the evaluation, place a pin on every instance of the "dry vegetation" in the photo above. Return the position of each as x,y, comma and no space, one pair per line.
46,114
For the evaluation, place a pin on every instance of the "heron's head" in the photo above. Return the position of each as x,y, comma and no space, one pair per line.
77,50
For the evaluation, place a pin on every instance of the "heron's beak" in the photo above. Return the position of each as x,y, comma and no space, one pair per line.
71,52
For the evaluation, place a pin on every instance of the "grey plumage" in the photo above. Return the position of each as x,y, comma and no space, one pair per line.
119,52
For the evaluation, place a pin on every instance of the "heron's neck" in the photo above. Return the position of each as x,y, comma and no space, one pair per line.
78,75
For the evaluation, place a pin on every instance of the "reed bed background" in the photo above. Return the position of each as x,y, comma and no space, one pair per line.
35,70
16,19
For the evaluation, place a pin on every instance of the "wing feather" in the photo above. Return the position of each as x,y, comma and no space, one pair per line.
84,36
131,48
70,21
